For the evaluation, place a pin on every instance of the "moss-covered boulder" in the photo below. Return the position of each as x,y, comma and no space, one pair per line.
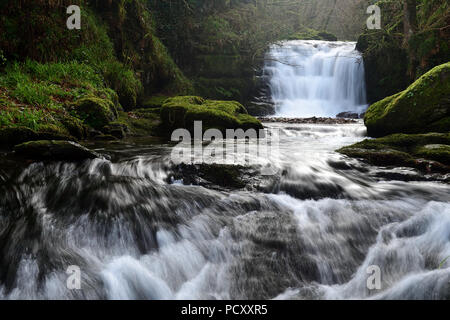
10,136
94,111
310,34
154,102
422,107
428,152
181,112
54,150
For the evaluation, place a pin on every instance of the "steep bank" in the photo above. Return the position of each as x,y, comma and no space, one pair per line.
393,62
91,83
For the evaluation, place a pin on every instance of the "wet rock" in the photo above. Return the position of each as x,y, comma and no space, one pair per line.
313,120
348,115
54,150
228,176
429,153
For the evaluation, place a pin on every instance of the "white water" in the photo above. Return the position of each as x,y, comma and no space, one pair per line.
316,78
309,233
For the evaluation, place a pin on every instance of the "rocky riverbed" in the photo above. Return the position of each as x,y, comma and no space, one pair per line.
312,120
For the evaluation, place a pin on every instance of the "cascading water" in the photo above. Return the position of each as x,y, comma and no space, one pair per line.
316,78
137,229
308,232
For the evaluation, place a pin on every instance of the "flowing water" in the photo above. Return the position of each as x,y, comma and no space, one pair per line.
309,231
316,78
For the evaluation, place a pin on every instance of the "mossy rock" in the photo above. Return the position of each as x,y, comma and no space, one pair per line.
428,152
310,34
75,127
116,129
422,107
54,150
181,112
436,152
96,112
154,102
141,122
11,136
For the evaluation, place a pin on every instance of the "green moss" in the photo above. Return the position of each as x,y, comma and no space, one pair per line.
74,126
436,152
404,150
140,123
154,101
310,34
95,112
181,112
421,107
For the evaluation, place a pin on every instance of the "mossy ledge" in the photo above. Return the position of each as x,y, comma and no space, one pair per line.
54,150
310,34
427,152
422,107
182,111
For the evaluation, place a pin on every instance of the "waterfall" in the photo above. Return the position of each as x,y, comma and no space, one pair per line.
316,78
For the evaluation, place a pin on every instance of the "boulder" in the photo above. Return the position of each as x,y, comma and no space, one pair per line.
422,107
348,115
54,150
427,152
182,111
96,112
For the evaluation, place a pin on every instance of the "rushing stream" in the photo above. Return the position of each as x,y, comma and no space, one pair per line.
310,230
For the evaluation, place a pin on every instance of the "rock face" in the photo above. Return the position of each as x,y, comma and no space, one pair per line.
181,112
422,107
426,152
54,150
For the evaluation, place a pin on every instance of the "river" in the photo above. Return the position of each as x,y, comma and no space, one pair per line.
309,230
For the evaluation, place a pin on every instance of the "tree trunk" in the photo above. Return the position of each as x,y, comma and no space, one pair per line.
409,18
410,27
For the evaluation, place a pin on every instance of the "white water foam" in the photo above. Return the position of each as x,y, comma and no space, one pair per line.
316,78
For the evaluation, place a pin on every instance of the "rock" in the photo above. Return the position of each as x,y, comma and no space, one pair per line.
116,129
96,112
313,120
209,175
54,150
11,136
182,111
348,115
310,34
426,152
422,107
